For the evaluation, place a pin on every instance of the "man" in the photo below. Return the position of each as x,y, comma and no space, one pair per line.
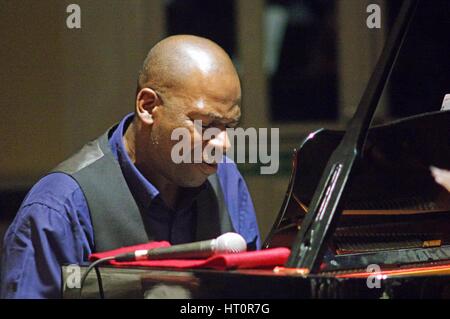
124,188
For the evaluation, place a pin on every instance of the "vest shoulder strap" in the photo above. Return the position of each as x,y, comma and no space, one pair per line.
115,216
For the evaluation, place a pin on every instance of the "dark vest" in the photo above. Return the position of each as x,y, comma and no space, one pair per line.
115,215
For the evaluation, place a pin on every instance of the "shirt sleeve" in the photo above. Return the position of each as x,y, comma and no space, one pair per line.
239,203
43,236
248,214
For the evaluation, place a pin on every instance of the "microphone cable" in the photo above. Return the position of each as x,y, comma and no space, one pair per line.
94,265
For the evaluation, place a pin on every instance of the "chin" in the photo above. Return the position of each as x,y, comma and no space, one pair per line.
194,180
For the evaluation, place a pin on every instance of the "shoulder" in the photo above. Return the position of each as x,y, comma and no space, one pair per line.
53,190
55,204
55,193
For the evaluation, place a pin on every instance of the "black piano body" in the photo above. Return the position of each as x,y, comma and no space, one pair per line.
395,213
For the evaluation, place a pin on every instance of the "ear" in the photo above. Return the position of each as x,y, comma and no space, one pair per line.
146,100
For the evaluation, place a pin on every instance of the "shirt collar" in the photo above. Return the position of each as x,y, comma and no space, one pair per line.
143,191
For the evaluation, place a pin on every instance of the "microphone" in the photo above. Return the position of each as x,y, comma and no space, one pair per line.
226,243
446,103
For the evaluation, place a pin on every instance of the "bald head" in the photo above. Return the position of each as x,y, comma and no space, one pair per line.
181,60
184,80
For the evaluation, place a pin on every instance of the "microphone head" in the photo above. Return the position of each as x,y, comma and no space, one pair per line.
230,243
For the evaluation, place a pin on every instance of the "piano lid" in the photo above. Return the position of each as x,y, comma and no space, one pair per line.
393,175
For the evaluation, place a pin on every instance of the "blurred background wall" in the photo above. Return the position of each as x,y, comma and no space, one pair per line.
303,65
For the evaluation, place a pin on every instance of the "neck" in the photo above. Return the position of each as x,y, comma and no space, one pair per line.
135,147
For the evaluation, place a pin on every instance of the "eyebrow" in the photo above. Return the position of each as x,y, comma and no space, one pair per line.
216,117
213,115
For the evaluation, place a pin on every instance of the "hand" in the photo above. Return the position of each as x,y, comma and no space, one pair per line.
441,176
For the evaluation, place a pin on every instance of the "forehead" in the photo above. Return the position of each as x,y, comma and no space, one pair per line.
214,110
208,103
231,113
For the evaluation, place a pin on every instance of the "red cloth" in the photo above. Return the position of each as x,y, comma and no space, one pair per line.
266,258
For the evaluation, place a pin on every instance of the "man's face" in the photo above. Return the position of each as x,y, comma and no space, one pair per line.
216,104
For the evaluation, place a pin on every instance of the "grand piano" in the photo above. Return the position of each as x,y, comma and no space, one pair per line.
362,215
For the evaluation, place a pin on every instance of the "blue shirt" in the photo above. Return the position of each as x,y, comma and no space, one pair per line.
53,225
